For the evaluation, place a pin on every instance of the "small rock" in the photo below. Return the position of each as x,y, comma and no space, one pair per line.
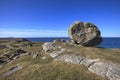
28,53
18,52
56,53
16,57
59,40
44,57
12,70
36,55
48,46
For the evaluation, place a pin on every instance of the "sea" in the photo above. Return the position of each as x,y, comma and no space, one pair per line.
108,42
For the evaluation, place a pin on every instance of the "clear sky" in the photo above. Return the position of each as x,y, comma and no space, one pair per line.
51,18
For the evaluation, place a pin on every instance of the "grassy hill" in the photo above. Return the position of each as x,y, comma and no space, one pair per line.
43,67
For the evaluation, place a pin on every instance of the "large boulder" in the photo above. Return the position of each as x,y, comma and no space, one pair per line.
85,34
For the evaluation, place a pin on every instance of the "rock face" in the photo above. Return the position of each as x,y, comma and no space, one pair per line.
76,59
52,49
48,46
12,55
85,34
70,58
12,70
109,70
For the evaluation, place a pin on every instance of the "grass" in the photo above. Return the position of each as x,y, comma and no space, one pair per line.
104,54
52,71
48,69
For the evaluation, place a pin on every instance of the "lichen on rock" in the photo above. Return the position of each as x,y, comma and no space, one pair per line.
85,34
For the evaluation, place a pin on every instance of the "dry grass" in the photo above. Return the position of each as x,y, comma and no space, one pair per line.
53,71
47,69
111,55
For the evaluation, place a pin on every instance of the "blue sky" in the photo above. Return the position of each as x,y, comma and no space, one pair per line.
51,18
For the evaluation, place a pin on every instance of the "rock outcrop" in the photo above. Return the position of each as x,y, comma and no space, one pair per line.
85,34
12,55
37,54
12,70
49,46
70,58
52,49
109,70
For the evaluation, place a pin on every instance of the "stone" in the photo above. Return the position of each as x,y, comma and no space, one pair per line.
43,57
59,40
104,69
52,49
71,58
18,53
16,57
56,53
48,46
99,68
85,34
35,55
27,53
88,62
109,70
12,70
77,59
113,72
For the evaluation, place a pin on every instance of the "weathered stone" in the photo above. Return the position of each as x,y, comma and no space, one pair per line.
88,62
85,34
113,72
52,49
48,46
99,68
35,55
56,53
109,70
16,57
70,58
59,40
18,53
12,70
44,57
27,53
104,69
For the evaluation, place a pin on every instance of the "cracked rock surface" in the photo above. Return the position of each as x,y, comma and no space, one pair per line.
52,49
85,34
109,70
105,69
12,70
70,58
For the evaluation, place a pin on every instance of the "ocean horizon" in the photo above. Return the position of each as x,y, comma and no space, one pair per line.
108,42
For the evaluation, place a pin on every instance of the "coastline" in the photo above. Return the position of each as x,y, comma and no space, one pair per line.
23,56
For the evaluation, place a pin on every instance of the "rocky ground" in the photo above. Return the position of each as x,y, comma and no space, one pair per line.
21,59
